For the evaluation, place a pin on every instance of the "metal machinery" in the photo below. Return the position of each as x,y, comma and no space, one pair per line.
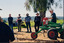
53,29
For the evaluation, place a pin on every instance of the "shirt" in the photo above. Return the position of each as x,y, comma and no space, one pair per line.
19,21
37,19
10,20
28,18
54,18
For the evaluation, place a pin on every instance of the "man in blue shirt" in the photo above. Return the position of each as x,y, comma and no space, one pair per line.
27,20
53,16
10,21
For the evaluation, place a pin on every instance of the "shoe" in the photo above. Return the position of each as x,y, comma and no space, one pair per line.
30,31
36,30
19,31
27,32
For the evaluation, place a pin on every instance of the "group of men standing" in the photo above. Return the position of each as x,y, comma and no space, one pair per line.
37,20
10,21
27,21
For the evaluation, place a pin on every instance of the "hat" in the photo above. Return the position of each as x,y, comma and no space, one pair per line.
50,9
27,14
37,14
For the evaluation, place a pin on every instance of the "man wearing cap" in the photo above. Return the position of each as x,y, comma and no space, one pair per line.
27,20
53,16
37,22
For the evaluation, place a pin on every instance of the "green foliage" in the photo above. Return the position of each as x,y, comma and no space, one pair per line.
60,21
41,5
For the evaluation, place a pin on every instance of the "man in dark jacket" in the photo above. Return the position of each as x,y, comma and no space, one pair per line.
10,21
6,35
37,22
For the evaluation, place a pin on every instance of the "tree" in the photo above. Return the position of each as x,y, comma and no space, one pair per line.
0,9
40,5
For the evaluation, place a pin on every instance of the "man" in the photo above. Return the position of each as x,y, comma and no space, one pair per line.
6,35
37,22
27,20
19,23
10,21
53,16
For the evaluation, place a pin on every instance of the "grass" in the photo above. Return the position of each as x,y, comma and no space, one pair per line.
32,24
60,21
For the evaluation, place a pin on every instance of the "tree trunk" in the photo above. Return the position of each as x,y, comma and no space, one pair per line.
42,15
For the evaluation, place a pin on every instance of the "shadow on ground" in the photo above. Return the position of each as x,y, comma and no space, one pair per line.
41,41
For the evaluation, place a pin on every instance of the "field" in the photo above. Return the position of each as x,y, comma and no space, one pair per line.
26,37
60,21
32,24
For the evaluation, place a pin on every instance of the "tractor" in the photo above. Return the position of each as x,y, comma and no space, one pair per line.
52,29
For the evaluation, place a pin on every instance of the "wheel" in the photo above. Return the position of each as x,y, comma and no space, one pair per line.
62,35
33,37
52,34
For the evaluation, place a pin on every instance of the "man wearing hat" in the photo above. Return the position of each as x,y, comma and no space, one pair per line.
53,18
37,22
27,20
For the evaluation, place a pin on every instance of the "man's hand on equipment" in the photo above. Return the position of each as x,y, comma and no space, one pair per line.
51,18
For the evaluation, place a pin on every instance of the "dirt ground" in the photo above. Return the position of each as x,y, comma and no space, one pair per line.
26,37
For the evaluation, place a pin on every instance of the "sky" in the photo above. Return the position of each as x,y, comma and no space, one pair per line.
15,7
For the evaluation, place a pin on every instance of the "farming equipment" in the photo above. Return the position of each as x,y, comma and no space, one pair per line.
53,29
